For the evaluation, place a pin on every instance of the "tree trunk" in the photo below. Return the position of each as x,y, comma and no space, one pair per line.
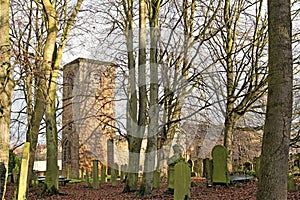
275,148
151,149
6,87
50,53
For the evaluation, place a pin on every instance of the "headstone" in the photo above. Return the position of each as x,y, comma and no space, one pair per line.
208,171
2,178
156,179
103,174
110,155
198,167
113,178
172,161
123,169
82,173
182,181
220,169
24,172
292,184
95,174
257,168
87,178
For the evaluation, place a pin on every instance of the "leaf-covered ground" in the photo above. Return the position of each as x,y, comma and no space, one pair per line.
78,191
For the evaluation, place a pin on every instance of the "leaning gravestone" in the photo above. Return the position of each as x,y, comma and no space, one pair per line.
220,170
182,181
95,174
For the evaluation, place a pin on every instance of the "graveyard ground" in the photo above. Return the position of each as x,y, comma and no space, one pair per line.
78,191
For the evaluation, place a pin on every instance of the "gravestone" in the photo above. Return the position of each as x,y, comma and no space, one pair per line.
208,165
191,165
24,172
220,169
87,178
198,167
172,161
113,178
123,172
82,173
2,177
182,181
95,174
257,167
291,184
156,179
103,174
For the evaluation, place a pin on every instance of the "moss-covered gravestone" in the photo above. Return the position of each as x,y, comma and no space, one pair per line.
113,178
103,174
257,167
292,184
95,174
156,179
220,169
207,164
182,181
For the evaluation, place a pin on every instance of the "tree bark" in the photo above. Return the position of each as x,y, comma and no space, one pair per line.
275,147
6,87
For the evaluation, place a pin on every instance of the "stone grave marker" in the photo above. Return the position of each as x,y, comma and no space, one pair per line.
156,179
113,178
182,181
257,168
103,174
24,172
82,173
95,174
292,184
207,170
220,169
87,180
198,167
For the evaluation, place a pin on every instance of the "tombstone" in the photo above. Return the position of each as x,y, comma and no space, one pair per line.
24,172
198,167
87,178
172,161
191,165
2,178
110,155
156,179
82,173
257,167
123,172
220,169
103,174
207,170
95,174
292,187
182,181
113,178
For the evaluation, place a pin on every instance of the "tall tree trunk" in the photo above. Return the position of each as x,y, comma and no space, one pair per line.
275,148
151,149
131,123
6,87
229,48
49,56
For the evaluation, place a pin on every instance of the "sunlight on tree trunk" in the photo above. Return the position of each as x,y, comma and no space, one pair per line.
6,86
275,147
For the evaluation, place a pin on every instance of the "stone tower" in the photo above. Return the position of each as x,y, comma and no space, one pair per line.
88,113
